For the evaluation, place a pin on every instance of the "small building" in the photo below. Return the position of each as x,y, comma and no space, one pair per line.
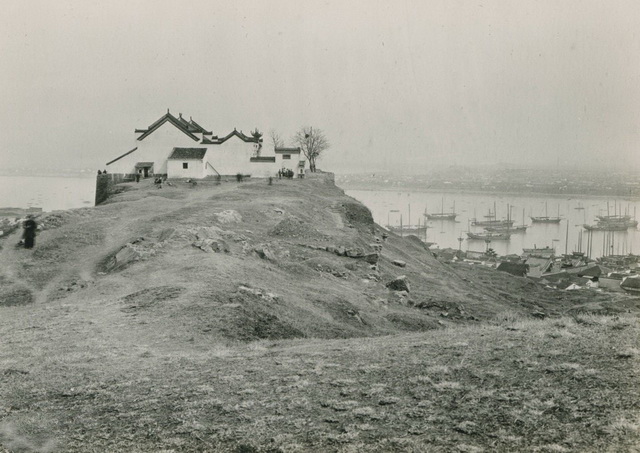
289,159
517,269
631,284
539,266
189,163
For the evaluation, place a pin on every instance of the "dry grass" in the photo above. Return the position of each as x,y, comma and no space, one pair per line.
483,388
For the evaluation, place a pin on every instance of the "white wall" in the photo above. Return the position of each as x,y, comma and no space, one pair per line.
195,170
156,148
234,156
288,164
230,158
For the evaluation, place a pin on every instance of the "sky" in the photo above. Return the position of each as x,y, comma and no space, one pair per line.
398,85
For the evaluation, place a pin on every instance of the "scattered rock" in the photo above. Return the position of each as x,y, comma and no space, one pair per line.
279,211
211,245
399,263
399,284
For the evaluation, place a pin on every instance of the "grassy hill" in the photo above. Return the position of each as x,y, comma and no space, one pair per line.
255,317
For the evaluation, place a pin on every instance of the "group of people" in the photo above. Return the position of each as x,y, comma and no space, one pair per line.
285,173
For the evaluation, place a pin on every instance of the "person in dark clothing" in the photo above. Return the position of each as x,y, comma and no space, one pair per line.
29,235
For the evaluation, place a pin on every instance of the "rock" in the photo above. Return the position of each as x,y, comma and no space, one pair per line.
354,253
341,251
371,258
228,216
166,234
351,266
399,263
279,211
211,232
399,284
376,247
222,246
126,255
264,253
466,427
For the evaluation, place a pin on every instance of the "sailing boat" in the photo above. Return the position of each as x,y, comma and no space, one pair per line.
493,222
408,228
443,215
546,218
508,228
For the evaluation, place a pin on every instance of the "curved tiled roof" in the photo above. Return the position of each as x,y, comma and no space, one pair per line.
287,150
188,127
234,133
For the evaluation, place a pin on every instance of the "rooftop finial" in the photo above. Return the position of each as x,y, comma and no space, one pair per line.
167,110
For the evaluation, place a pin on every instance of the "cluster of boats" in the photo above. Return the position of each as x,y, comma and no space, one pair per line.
495,229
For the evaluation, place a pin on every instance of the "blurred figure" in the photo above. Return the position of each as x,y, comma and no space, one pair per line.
30,226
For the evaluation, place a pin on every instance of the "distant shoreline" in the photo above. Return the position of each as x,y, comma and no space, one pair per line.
48,175
489,192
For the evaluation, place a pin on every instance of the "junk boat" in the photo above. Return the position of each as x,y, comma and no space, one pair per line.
546,218
451,216
490,236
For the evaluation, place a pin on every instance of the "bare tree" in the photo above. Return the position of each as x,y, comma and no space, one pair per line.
276,139
312,142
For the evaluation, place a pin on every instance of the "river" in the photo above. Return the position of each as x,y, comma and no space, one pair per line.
387,207
50,193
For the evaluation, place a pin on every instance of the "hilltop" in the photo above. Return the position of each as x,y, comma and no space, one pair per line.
242,317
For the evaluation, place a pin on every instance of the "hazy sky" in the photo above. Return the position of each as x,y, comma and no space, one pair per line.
393,84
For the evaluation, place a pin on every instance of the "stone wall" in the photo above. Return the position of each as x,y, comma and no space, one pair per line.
105,185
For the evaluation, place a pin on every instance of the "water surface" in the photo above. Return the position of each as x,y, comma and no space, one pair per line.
389,206
47,192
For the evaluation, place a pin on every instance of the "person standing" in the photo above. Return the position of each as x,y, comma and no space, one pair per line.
30,226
